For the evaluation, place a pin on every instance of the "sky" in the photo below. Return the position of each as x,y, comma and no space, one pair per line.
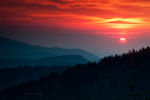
103,27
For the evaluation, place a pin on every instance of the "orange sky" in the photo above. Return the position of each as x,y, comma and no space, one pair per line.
116,16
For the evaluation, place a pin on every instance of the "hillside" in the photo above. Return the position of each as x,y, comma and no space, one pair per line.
118,77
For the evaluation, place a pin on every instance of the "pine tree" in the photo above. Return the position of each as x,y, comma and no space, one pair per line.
132,94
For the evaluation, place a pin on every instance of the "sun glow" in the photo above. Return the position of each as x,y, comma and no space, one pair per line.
123,23
122,26
128,20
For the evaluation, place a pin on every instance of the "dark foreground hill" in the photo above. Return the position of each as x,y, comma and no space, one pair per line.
113,78
14,76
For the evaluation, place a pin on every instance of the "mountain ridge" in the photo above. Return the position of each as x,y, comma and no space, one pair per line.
11,49
48,61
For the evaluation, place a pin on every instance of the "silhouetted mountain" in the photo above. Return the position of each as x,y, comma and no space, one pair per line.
14,76
116,77
48,61
11,49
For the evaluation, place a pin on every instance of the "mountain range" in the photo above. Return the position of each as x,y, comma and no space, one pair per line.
119,77
14,53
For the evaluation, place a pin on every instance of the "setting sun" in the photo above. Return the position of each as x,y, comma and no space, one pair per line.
122,40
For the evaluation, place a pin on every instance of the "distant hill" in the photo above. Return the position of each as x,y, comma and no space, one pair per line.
48,61
119,77
11,49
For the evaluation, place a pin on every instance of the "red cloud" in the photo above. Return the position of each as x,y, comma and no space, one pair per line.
74,13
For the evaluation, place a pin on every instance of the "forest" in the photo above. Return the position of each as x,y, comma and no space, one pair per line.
114,77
